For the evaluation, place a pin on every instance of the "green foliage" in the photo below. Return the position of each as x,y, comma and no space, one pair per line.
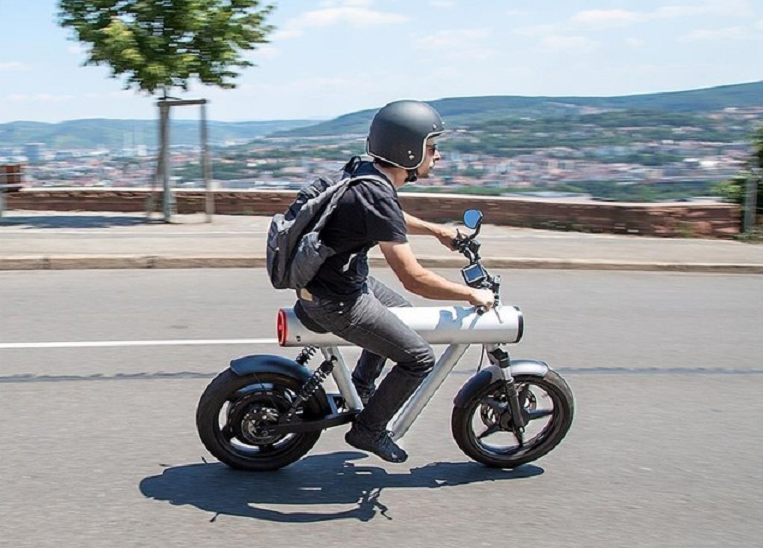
757,145
735,189
163,44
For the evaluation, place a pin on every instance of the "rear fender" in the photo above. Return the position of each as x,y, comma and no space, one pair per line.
492,373
269,363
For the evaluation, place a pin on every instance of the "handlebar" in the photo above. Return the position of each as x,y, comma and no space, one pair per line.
475,274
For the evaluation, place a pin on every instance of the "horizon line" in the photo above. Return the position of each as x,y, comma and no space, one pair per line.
324,119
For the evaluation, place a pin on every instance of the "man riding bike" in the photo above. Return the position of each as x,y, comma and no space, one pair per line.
344,299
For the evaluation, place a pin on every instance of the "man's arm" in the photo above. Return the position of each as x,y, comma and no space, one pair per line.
425,283
445,234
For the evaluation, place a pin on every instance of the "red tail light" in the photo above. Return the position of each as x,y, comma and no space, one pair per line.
281,327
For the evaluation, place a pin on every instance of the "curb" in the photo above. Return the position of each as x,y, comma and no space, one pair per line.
100,262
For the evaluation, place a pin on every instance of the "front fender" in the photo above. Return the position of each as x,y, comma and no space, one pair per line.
492,373
269,363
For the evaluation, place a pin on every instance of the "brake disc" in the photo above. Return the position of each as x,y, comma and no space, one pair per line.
251,417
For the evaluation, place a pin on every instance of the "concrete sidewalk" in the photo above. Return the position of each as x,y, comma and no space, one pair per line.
71,240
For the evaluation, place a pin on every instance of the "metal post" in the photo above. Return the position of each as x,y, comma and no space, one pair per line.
164,167
751,202
2,195
6,176
168,200
209,201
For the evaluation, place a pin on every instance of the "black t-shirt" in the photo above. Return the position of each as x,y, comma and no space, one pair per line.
368,213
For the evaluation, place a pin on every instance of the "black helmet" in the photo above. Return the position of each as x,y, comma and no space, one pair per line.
399,132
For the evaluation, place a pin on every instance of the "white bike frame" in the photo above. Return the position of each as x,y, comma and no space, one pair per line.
459,326
415,405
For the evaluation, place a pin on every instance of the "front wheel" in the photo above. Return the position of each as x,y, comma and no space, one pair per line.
483,427
234,414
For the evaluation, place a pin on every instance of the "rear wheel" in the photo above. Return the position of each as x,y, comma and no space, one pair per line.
483,427
235,413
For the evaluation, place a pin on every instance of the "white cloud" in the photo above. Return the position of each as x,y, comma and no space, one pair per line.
263,52
13,66
634,43
126,94
285,34
727,8
39,98
608,17
356,13
340,3
77,49
618,17
445,73
297,87
569,44
460,43
537,30
724,34
671,12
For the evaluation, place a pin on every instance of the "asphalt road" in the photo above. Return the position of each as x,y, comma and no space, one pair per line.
98,445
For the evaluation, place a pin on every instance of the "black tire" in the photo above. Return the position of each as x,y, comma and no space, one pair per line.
511,455
232,406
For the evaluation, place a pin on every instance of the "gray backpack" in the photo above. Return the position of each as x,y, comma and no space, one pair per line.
295,251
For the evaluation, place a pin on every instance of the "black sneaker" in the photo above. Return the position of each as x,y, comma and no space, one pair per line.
377,442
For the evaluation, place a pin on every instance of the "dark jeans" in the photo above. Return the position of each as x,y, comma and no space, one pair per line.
366,322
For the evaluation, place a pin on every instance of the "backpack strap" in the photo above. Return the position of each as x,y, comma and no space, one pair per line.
341,188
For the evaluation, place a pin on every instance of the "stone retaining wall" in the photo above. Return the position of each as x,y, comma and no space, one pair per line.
687,219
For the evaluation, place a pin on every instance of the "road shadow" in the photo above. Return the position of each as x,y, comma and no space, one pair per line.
318,480
74,221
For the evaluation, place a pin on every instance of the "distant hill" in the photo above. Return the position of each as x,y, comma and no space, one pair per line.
457,111
117,134
466,111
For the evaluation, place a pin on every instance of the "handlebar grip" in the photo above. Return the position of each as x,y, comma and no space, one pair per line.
480,310
459,244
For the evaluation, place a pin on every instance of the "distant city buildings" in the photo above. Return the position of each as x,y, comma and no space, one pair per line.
617,155
34,152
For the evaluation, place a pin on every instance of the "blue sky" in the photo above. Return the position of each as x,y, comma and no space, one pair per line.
329,58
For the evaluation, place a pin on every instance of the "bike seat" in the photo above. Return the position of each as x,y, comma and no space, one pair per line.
306,320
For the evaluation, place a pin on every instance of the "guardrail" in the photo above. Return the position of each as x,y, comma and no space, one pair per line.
3,189
11,176
688,219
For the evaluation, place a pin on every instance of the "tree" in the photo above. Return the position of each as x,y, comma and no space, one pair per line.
163,44
736,189
158,45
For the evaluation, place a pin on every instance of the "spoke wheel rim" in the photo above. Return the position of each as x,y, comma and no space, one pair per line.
539,402
243,421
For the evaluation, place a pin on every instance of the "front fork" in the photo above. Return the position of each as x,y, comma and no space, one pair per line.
501,358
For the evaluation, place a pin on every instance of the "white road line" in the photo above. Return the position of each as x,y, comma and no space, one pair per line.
111,344
127,235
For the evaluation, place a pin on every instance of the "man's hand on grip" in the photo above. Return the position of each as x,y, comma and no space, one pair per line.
482,297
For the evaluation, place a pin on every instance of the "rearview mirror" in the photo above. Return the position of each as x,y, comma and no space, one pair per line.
472,218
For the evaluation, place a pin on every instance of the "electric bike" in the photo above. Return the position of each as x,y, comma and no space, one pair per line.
267,411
